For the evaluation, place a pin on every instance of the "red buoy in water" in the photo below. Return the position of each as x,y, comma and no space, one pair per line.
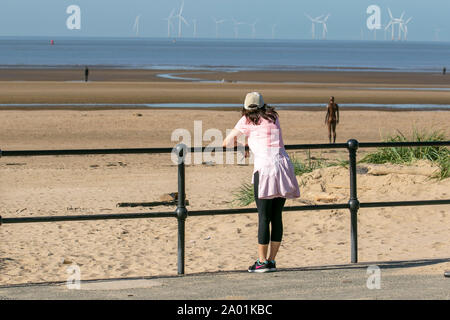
52,42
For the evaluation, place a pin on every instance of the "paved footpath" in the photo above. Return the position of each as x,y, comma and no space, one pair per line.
331,282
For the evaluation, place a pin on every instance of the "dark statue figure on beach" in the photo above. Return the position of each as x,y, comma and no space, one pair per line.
86,74
332,119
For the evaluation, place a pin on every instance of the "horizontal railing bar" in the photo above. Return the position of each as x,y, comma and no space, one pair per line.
160,214
18,153
403,203
403,144
316,146
254,210
88,217
218,212
23,153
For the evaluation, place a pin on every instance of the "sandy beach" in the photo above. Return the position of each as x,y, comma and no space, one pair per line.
68,185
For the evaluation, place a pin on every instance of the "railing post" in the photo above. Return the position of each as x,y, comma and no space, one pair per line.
181,210
353,203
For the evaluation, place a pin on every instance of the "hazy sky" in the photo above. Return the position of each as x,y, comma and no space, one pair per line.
115,18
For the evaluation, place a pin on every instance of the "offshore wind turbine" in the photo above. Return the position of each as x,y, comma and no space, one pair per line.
324,26
314,21
253,25
136,25
273,30
404,26
217,25
194,22
181,19
436,34
169,22
236,27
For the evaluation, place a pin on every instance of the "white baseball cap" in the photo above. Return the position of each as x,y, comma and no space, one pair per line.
253,100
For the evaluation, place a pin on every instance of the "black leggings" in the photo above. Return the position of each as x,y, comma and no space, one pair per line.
269,212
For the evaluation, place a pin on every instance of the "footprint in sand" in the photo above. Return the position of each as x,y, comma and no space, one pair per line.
438,245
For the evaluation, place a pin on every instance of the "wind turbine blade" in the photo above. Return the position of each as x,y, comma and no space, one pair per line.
401,17
319,17
309,17
390,13
184,20
389,24
407,21
182,7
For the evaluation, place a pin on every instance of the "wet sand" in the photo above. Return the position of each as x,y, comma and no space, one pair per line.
142,86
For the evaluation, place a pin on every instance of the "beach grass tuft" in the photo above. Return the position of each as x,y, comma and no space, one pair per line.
307,166
244,195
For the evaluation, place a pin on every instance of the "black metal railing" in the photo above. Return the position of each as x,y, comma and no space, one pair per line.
181,213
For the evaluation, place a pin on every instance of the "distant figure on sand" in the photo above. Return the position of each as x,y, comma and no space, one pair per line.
86,74
274,178
332,119
444,71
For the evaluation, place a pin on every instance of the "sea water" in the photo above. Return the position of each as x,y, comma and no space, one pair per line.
226,54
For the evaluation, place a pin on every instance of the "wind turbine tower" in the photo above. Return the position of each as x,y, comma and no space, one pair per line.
169,22
136,25
194,21
253,25
273,30
437,31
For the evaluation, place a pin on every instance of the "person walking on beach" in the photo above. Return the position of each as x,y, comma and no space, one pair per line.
86,74
273,178
332,119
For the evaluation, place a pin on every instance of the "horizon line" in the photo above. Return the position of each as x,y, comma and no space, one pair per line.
175,38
